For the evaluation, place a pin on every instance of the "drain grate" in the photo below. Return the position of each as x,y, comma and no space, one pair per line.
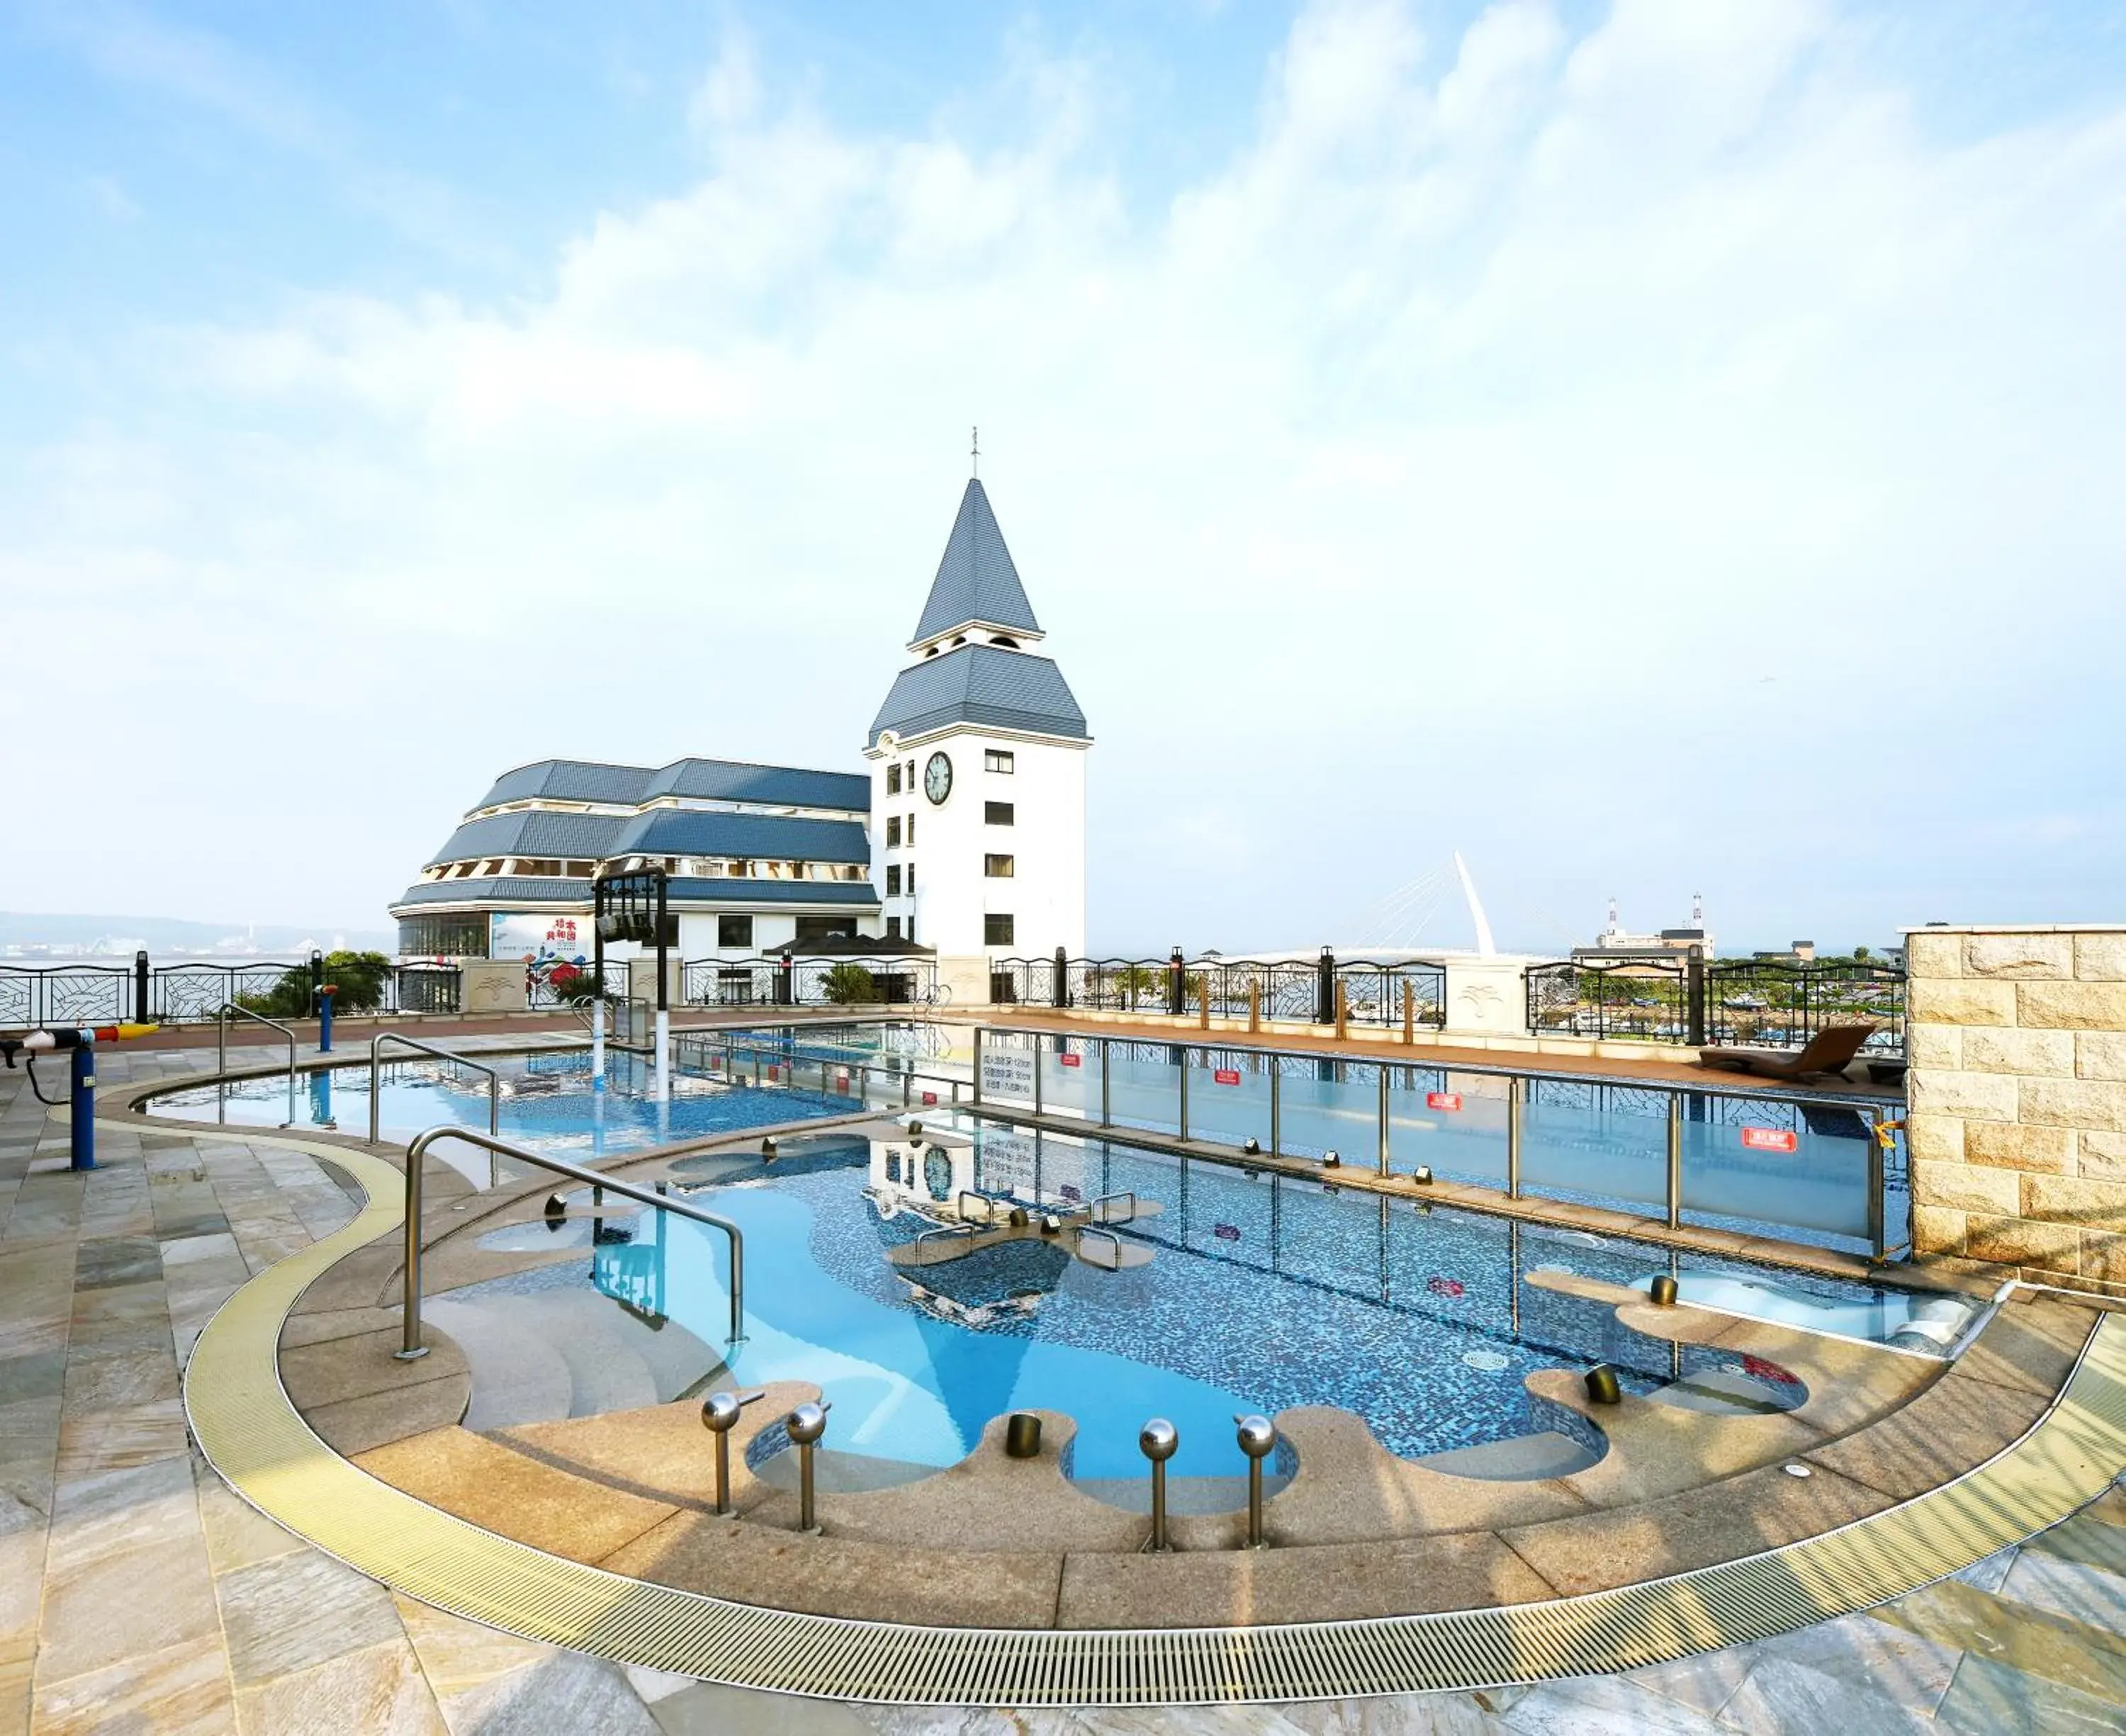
253,1436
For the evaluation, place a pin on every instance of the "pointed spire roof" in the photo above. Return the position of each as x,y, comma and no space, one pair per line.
976,580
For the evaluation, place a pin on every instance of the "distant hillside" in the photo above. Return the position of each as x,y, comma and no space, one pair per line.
167,935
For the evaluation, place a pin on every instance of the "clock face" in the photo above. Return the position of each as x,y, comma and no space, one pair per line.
938,778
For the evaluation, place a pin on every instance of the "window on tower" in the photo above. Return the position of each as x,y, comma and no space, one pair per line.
893,881
734,931
893,928
999,867
893,832
997,930
995,760
997,813
892,779
911,832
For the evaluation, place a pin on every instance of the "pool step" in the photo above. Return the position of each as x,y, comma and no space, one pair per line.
518,1376
615,1360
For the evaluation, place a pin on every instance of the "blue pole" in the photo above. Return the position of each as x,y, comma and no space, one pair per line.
324,1020
82,1108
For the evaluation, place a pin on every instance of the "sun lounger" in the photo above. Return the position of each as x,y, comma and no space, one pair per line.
1830,1050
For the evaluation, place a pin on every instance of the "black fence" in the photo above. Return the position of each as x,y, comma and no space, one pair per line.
1748,1003
192,992
1302,991
802,982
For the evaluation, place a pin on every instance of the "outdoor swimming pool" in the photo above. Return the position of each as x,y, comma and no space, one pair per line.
1241,1290
1259,1292
547,1102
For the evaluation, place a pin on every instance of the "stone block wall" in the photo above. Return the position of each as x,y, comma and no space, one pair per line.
2016,1127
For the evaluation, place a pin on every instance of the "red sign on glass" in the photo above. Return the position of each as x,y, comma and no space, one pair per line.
928,1098
1448,1100
1072,1060
1227,1076
1767,1139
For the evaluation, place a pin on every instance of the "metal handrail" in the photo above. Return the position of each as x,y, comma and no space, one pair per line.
376,1097
411,1346
1090,1230
1093,1210
221,1055
943,1230
988,1205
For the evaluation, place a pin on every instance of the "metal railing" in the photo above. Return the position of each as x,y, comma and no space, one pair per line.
895,979
376,1097
1306,991
411,1345
1093,1209
968,1230
192,991
1751,1002
221,1055
1375,1084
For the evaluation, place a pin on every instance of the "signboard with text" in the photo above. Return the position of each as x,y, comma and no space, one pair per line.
1449,1101
1769,1138
1007,1073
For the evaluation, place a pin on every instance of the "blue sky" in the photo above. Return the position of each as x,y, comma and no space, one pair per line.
1650,449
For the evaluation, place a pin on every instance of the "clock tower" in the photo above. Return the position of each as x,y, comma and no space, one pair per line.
978,770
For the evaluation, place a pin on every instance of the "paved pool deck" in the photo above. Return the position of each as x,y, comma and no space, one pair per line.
136,1593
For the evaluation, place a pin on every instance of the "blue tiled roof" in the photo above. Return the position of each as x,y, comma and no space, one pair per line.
519,888
976,580
530,832
728,781
691,832
982,684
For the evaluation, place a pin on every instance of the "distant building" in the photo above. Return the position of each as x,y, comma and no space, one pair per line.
965,838
1615,945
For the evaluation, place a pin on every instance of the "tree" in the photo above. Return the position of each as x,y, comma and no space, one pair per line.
846,984
357,977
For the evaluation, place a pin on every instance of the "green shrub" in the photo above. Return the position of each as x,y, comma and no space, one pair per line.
848,984
359,978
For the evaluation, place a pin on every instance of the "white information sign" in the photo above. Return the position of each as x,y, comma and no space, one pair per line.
1006,1074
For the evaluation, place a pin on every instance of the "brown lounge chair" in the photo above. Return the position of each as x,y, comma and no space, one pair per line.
1830,1050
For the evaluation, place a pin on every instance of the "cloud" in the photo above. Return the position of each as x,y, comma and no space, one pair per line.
1444,467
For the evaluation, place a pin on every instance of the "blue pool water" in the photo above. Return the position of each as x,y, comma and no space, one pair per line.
546,1102
1260,1292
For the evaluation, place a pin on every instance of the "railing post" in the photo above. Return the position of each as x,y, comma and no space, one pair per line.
1879,1236
1694,997
1409,1014
1343,1011
1254,1007
1516,1088
978,1066
1060,988
1276,1120
1325,988
1675,1160
410,1346
140,988
1036,1075
1177,986
1384,1118
1183,1125
317,979
1107,1097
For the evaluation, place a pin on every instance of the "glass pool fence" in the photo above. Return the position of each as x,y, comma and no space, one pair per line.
1796,1165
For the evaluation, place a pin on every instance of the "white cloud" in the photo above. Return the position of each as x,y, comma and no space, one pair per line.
1410,480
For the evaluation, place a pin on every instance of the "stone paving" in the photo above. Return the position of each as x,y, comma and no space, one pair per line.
138,1594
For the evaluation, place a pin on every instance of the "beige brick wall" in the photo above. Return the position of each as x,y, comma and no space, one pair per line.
2017,1120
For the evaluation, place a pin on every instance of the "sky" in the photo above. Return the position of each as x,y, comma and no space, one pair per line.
1651,450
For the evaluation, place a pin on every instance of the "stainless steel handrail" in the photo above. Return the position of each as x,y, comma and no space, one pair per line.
221,1055
988,1205
411,1346
968,1230
1093,1210
376,1098
1094,1229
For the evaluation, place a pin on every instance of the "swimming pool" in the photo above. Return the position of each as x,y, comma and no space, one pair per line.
547,1103
1259,1292
1216,1289
1798,1164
